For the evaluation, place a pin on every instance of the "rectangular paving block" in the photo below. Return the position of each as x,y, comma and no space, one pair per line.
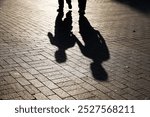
28,76
61,93
41,77
36,83
50,85
54,97
26,95
46,91
23,81
15,74
9,79
77,91
40,96
31,89
17,87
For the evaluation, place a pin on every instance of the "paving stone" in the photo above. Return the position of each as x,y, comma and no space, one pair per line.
72,87
87,86
9,79
31,89
76,79
129,97
5,87
132,92
17,87
27,54
26,59
32,71
83,96
25,95
115,96
18,98
46,91
102,88
21,69
67,83
7,91
40,96
36,83
117,84
77,91
41,78
15,74
69,98
25,65
50,84
60,80
9,96
54,97
28,76
23,81
18,60
101,95
61,93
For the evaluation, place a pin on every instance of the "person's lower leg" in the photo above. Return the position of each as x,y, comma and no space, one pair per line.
61,5
69,4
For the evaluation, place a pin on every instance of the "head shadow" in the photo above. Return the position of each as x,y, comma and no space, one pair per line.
94,47
63,37
140,5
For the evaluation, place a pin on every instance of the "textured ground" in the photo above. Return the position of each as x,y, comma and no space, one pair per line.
28,69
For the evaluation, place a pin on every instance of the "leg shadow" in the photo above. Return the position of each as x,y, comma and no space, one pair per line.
63,38
94,47
61,5
82,6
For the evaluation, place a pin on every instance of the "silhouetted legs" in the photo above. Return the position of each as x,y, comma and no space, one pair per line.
69,4
61,5
82,6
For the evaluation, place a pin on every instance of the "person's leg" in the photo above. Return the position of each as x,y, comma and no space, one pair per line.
82,6
69,4
61,5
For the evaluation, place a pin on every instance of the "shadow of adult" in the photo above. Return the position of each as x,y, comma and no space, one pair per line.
82,6
140,5
61,5
63,37
94,48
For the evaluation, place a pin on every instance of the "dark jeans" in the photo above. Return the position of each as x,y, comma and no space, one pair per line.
61,3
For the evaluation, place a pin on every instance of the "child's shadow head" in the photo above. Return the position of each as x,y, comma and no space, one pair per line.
60,56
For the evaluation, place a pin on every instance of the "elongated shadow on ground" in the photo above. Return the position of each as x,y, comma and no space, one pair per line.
140,5
94,47
63,37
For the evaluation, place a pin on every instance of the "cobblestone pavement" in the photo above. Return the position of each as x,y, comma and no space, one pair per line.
28,69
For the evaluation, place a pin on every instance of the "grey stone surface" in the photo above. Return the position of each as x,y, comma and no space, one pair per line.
29,70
